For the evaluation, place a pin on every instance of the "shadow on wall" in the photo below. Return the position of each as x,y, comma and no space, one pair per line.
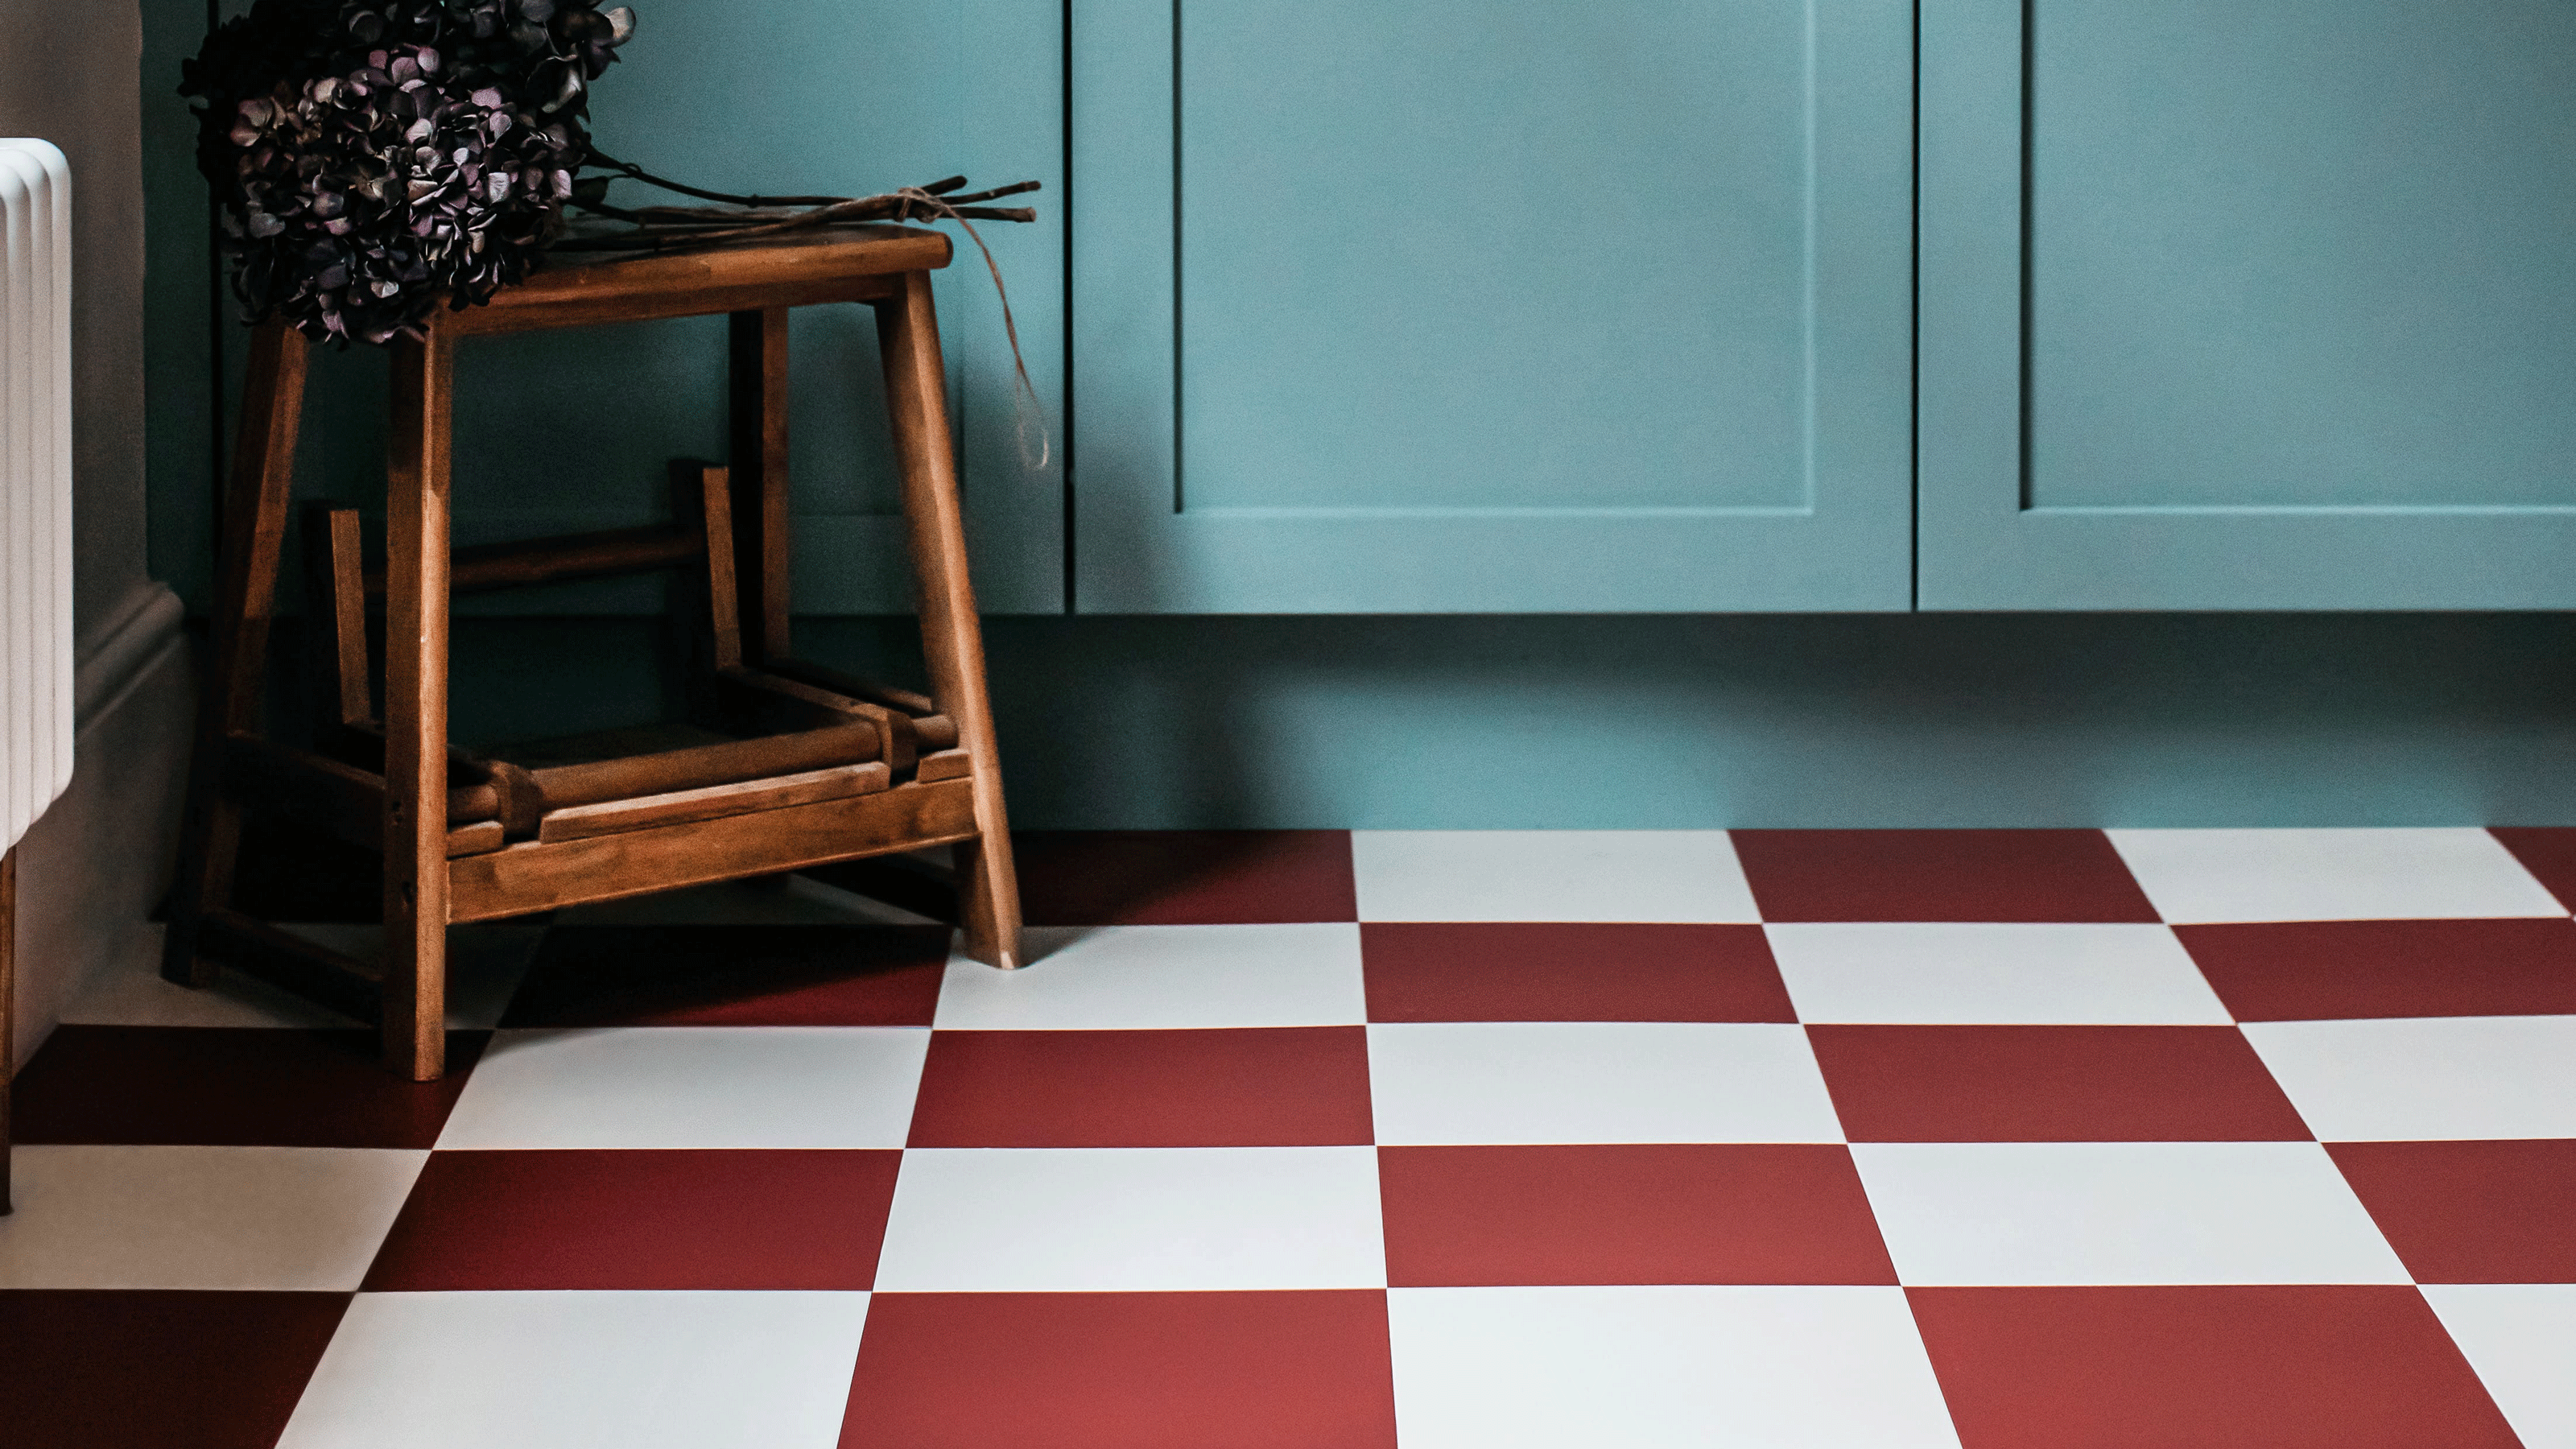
1696,721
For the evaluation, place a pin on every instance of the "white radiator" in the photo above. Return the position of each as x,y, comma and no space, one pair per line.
35,482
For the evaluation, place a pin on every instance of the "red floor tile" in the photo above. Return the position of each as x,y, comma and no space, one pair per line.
1939,875
740,1220
126,1370
1243,1087
1185,877
736,975
2200,1368
220,1086
2326,970
922,883
1478,972
2471,1212
1539,1216
1300,1370
2051,1084
2548,852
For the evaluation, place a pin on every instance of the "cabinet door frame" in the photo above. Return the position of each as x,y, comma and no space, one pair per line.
1982,546
1138,549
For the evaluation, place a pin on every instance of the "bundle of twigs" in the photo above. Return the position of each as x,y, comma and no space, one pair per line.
746,218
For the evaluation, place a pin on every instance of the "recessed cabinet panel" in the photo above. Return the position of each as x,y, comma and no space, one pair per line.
2245,307
1508,306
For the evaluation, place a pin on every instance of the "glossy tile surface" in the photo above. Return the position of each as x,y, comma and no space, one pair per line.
1662,1368
1549,875
2330,875
540,1370
2017,973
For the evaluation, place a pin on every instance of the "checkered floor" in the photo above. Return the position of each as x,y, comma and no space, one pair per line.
2057,1139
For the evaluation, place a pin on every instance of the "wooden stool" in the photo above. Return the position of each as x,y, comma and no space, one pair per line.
858,770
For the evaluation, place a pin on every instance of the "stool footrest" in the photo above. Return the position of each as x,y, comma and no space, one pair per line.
538,875
616,817
631,777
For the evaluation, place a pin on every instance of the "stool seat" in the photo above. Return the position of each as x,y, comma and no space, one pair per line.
786,765
856,264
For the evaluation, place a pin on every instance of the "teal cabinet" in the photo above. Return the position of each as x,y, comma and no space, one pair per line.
1384,306
2233,306
1509,305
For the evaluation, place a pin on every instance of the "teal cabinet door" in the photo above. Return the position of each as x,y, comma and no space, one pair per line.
1511,305
2231,306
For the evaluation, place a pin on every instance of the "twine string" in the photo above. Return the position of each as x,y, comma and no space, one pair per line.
1028,412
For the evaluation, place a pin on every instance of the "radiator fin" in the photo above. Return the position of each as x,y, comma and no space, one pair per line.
35,482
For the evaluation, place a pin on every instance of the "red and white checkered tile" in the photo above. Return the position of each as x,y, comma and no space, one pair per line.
1879,1139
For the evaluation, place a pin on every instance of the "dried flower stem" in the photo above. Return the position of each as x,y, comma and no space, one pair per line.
660,228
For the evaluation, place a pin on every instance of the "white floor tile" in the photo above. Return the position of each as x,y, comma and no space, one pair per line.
1129,977
485,963
1549,875
1584,1081
2401,1078
1079,1220
2521,1338
1662,1368
129,991
692,1086
2329,875
2037,1213
279,1218
553,1370
1923,974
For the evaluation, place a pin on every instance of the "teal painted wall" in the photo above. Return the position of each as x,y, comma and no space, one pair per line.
1682,721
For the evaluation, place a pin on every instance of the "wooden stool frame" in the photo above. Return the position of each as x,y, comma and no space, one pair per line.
434,877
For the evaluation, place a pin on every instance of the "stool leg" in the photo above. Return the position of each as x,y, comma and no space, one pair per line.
416,576
757,374
335,619
988,889
245,600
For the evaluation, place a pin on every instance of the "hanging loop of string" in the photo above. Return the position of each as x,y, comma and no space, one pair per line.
1028,413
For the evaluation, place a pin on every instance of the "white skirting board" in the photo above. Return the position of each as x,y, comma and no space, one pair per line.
93,869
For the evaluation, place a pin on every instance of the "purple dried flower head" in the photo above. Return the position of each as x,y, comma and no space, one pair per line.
376,159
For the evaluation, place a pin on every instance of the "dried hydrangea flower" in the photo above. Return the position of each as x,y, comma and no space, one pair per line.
377,159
